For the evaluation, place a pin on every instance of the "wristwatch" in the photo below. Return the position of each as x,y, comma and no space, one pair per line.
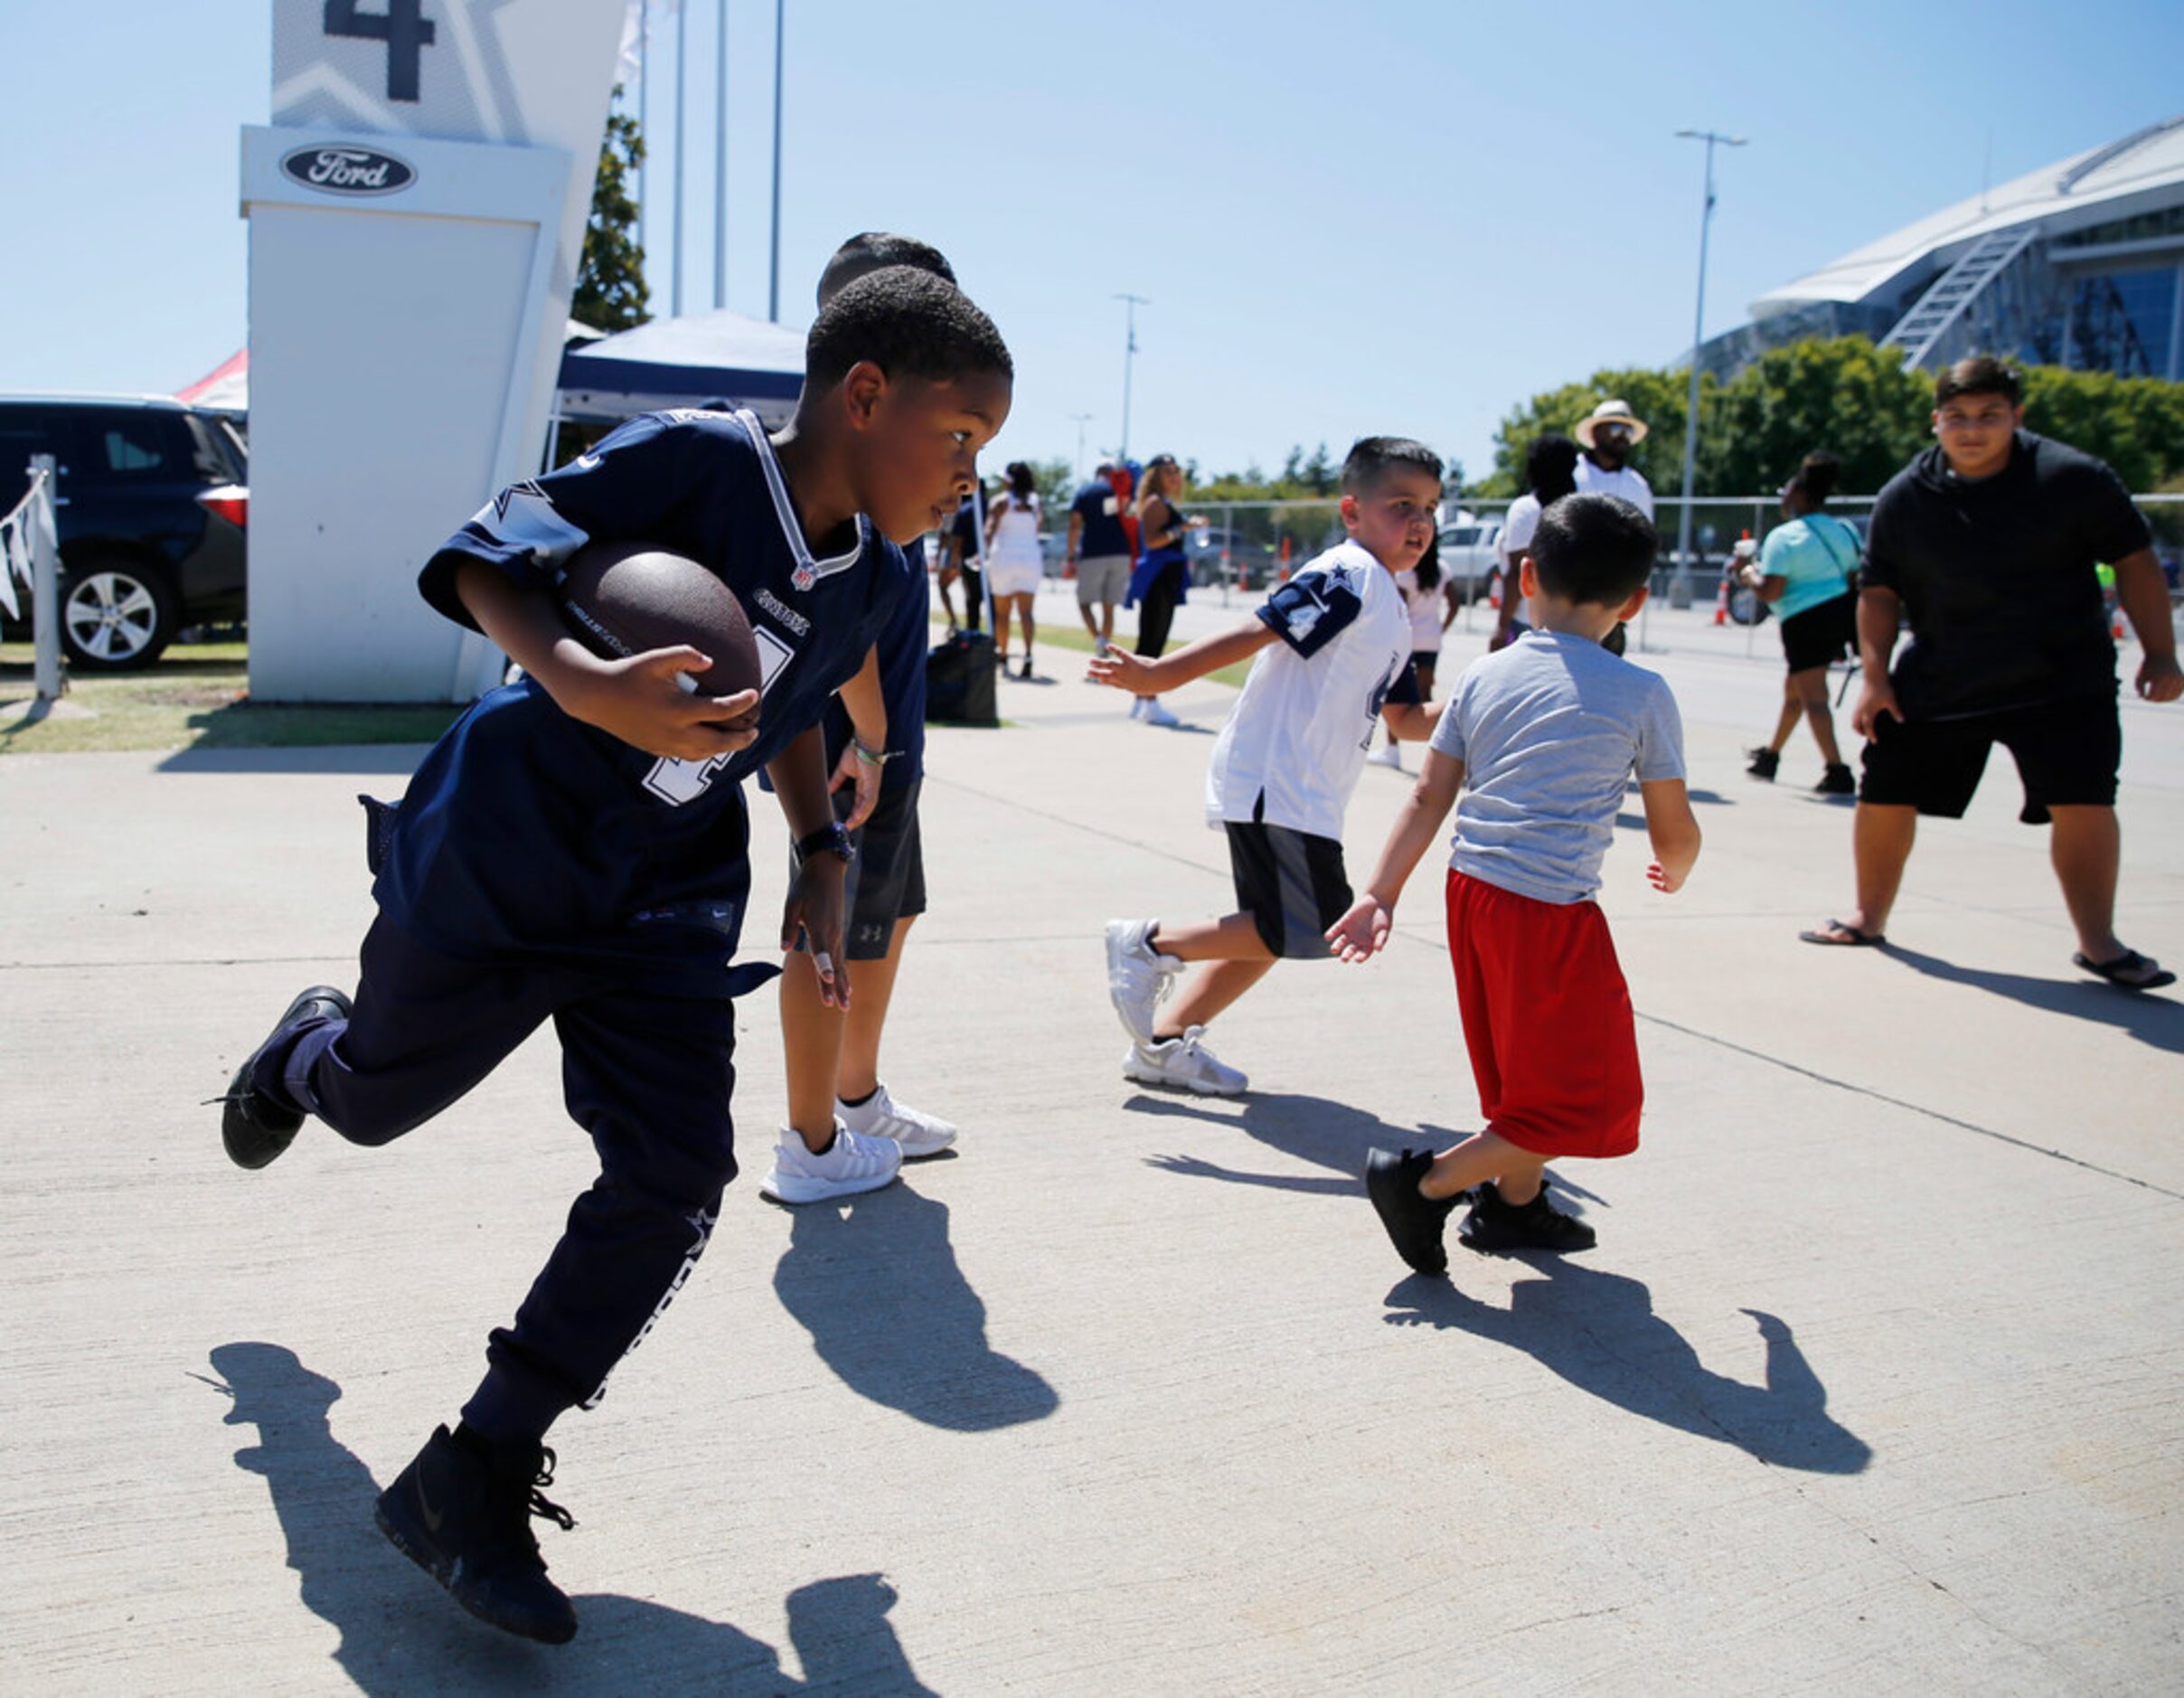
831,838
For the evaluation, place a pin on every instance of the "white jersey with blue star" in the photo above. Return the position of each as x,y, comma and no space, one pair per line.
1295,744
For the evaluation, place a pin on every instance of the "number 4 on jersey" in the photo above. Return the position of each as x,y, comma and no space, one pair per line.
402,26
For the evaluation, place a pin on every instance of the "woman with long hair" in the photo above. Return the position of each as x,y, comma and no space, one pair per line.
1014,562
1807,570
1158,583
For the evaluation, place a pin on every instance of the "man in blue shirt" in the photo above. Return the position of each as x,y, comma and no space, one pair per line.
1099,549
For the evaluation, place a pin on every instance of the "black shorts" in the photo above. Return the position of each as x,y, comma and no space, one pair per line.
1821,636
1292,884
886,882
2066,753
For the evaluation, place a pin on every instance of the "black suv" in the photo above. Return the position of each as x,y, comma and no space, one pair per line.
152,500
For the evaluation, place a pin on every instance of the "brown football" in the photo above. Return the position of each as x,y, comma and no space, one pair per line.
625,599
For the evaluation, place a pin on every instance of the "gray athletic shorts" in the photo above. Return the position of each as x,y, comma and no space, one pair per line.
886,882
1102,578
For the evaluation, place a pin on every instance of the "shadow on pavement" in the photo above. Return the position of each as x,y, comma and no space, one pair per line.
874,1281
2152,1018
399,1633
397,760
1330,1135
1598,1330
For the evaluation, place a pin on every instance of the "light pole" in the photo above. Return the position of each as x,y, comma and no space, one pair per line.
674,284
1129,355
1680,585
1082,419
772,285
720,163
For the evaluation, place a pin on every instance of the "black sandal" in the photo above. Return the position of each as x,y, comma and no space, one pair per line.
1836,935
2129,971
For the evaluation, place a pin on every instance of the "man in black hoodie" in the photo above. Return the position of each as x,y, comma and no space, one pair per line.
1988,545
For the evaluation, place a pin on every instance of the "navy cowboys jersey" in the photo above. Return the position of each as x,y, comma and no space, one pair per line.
526,831
1294,743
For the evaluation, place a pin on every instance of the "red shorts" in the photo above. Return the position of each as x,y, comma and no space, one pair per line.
1546,1018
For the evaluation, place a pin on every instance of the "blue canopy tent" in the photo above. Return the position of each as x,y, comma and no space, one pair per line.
716,357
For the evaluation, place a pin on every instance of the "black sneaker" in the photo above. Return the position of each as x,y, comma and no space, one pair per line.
1415,1222
1764,764
1838,780
1494,1226
462,1512
254,1128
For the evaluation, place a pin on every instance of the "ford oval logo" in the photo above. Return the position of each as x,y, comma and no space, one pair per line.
341,168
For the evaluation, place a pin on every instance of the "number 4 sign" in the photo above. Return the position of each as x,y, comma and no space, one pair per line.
403,26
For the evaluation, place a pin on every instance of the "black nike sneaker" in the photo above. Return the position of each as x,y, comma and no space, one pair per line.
1415,1222
462,1512
255,1128
1494,1225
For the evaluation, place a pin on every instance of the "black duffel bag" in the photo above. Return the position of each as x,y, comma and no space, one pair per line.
959,674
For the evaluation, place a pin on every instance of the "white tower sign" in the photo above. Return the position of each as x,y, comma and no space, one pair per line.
417,214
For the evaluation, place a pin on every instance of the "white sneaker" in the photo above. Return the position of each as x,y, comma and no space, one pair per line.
1155,714
1137,707
1138,975
879,1116
1386,755
853,1164
1184,1063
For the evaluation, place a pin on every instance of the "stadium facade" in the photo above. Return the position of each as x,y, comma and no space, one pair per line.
2080,264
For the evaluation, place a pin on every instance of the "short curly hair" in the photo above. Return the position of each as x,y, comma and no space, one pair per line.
908,322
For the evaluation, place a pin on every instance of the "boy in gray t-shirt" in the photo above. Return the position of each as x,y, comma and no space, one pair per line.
1541,739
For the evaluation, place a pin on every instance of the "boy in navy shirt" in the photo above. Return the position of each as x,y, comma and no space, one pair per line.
576,848
875,745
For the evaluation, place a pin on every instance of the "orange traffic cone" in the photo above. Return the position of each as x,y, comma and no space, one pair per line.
1736,559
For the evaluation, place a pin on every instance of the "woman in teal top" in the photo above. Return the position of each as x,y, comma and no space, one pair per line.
1807,571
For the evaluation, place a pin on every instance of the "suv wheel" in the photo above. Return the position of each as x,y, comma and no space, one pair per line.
116,615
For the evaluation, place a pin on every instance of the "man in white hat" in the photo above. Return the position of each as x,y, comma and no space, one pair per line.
1608,433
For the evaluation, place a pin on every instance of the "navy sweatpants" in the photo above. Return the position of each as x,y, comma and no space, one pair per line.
649,1077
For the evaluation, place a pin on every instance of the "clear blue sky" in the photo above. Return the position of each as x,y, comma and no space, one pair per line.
1375,217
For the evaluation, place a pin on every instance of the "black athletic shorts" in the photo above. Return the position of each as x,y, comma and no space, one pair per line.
2066,753
886,882
1821,636
1292,884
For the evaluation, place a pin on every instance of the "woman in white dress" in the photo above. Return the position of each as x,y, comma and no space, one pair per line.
1014,562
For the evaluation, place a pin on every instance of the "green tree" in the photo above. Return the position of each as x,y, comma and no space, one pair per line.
1852,399
1056,488
1655,396
1842,394
610,293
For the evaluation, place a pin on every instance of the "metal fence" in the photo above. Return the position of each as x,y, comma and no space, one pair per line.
1247,545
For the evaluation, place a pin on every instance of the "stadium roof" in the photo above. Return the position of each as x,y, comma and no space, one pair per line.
2142,172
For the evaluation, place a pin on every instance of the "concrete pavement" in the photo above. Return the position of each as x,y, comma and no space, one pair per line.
1874,1378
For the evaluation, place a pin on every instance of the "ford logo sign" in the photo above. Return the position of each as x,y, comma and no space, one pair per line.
340,168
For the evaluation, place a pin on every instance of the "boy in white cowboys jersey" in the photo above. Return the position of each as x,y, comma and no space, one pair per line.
1336,642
